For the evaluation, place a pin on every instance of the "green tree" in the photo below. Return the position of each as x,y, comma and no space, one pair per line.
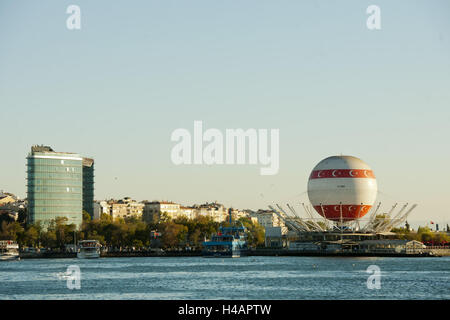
105,217
440,237
173,234
403,233
255,232
48,238
31,236
195,237
10,230
5,218
22,216
164,217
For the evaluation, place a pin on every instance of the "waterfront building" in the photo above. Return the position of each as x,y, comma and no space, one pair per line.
154,209
237,214
97,211
125,208
54,186
88,186
268,218
275,236
101,207
10,205
188,212
216,211
391,246
117,209
276,232
6,198
11,214
250,214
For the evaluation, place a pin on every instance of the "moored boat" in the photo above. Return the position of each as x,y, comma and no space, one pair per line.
9,250
88,249
230,241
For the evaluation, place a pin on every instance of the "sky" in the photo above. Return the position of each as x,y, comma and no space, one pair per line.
117,88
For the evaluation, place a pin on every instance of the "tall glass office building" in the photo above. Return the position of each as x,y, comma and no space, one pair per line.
55,186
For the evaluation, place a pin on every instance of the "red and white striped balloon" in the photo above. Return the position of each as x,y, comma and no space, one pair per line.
342,187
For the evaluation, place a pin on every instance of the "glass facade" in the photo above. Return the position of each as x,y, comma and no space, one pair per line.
88,186
54,186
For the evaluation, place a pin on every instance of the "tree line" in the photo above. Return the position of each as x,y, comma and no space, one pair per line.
122,233
423,234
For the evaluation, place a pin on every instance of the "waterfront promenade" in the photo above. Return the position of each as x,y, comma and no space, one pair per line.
428,252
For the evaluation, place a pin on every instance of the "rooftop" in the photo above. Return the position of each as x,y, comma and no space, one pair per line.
46,150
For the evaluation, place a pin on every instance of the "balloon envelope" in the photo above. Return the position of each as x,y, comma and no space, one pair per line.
342,188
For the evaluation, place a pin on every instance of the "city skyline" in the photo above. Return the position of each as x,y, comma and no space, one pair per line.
116,90
88,162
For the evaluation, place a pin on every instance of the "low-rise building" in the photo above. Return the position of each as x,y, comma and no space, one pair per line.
11,214
125,208
153,210
237,214
97,211
268,218
216,211
6,197
188,212
275,237
251,215
304,246
101,207
391,246
11,205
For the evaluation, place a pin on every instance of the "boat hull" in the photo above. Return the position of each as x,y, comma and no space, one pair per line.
224,254
88,249
8,257
88,255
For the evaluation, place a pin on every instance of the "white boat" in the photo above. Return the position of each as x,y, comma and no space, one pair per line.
9,250
88,249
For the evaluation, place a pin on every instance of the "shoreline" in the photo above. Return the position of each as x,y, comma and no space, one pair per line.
250,253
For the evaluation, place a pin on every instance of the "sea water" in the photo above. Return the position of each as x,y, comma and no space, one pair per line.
224,278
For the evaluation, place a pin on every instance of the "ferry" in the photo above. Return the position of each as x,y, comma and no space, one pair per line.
9,250
88,249
230,241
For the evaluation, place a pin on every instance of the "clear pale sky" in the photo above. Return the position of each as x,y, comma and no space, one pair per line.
137,70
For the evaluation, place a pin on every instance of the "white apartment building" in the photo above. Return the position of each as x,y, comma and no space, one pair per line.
237,214
216,211
125,208
275,228
101,207
268,218
188,212
151,211
154,209
97,210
